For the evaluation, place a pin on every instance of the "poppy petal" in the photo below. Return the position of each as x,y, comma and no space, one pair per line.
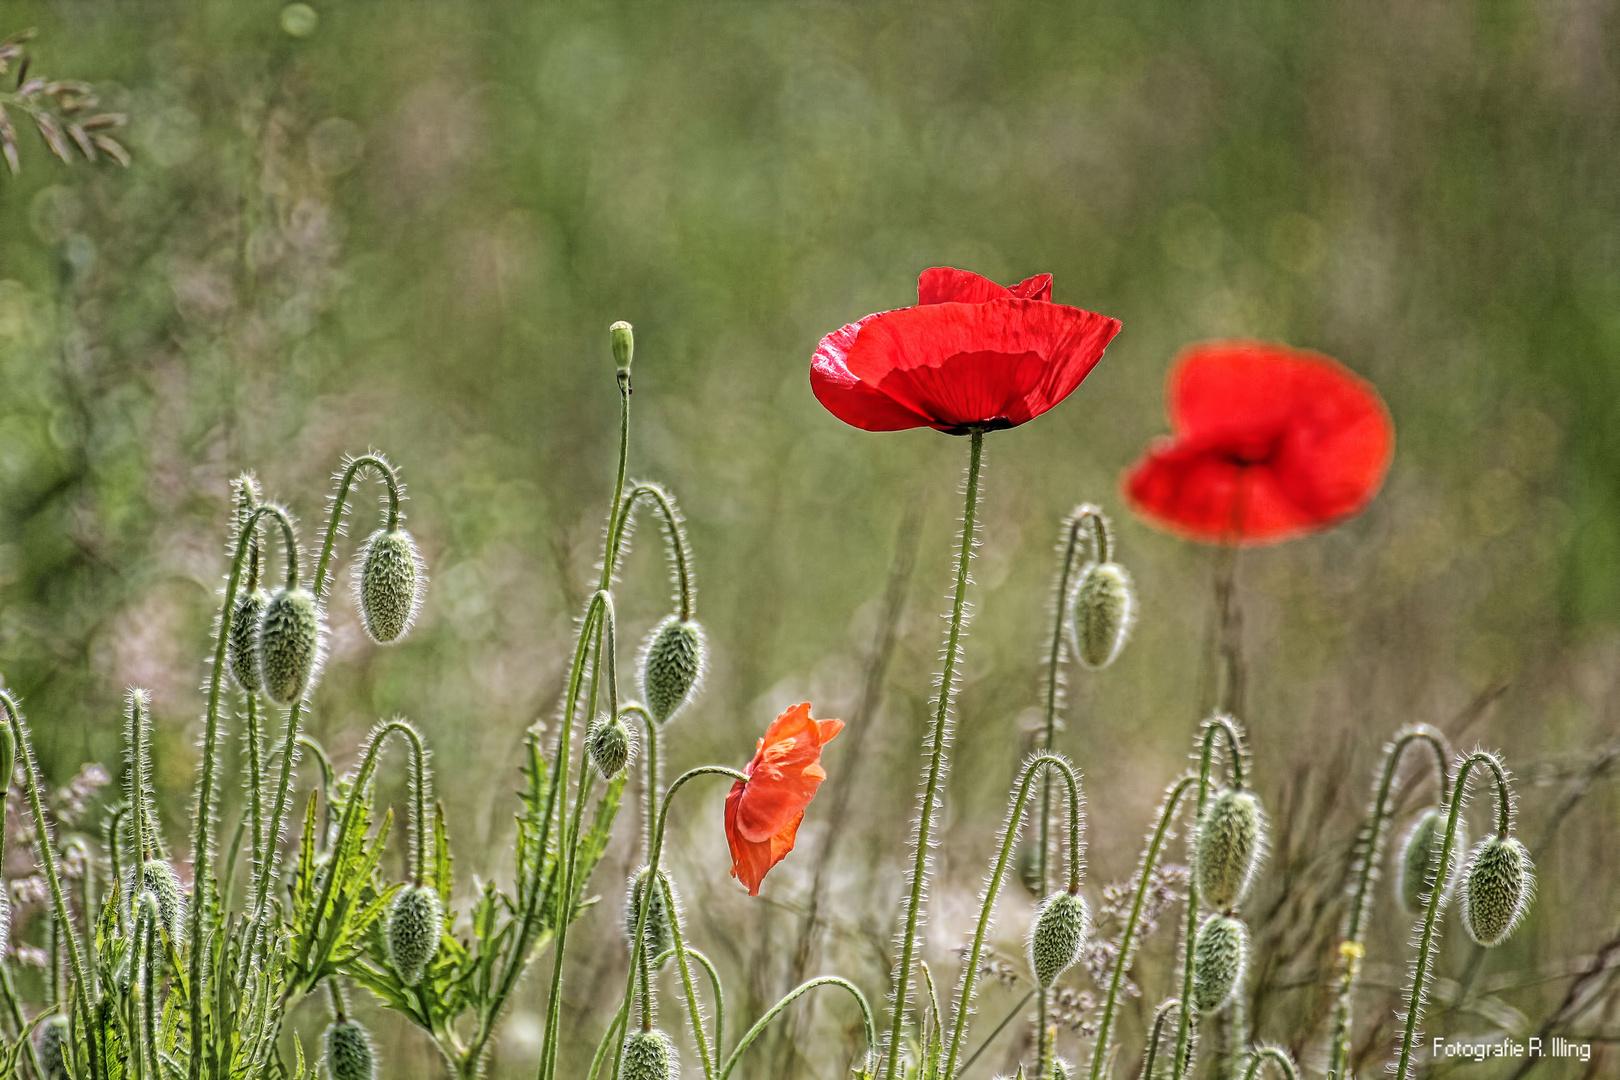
854,402
947,285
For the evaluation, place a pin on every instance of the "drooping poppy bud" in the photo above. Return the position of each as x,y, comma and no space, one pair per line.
660,935
1220,953
1103,613
245,619
388,587
1229,846
1500,880
159,878
1058,934
671,665
348,1052
608,742
289,645
415,924
650,1055
51,1046
1418,871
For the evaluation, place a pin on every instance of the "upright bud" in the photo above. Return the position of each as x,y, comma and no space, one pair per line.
1500,880
660,935
415,924
608,742
348,1052
51,1044
1220,954
388,584
650,1055
1058,934
289,645
1228,848
245,619
1420,859
672,664
159,878
1103,613
624,344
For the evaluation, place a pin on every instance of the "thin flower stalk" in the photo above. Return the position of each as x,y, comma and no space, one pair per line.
1161,1017
1269,1055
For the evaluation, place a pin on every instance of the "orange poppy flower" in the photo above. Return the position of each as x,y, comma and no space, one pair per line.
764,811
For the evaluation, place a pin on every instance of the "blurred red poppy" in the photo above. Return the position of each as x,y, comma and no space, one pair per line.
971,354
1269,443
763,812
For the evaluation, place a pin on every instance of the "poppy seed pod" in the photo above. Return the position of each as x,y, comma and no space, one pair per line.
159,878
289,645
650,1055
1497,892
388,585
1420,859
671,665
245,619
1103,613
623,337
1220,953
1055,940
415,923
659,934
1227,850
608,742
348,1052
51,1045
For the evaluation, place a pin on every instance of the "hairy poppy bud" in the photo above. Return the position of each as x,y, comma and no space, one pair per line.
1220,954
348,1052
660,935
624,344
245,619
1059,931
388,586
1228,847
289,645
671,665
1499,882
51,1044
1420,859
159,878
1061,1069
1103,613
608,743
415,923
650,1055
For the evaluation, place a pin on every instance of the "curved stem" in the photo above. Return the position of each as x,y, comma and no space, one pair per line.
1156,1035
334,521
1351,949
939,740
714,977
1276,1055
610,1038
1150,861
794,994
1045,764
694,1010
1437,895
675,536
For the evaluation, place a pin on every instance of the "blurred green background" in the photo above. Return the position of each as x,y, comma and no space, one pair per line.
409,230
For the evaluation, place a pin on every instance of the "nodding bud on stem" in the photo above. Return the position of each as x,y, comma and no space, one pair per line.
1419,867
159,879
348,1052
1058,934
609,743
51,1045
1497,893
650,1055
243,655
624,344
659,934
415,924
289,645
1220,954
388,584
672,664
1228,848
1103,612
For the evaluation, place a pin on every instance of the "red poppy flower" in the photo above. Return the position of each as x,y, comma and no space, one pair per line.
1269,443
971,354
763,812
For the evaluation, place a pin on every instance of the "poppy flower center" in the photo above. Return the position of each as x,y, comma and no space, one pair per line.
1251,450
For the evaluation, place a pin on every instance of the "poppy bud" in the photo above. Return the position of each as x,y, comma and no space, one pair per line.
348,1052
289,645
389,585
1420,859
159,878
1103,613
660,935
671,665
1500,880
624,344
245,619
1061,1070
51,1045
650,1055
608,742
1220,954
415,923
1228,847
1060,930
